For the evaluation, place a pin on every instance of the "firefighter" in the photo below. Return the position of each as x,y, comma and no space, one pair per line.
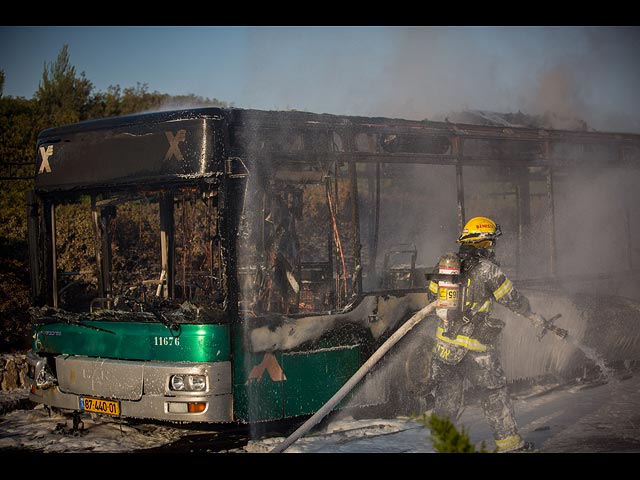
467,285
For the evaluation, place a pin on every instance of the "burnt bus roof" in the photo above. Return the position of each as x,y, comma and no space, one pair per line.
173,146
131,149
182,145
133,119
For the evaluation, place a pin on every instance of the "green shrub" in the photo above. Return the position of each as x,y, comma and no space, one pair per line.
446,438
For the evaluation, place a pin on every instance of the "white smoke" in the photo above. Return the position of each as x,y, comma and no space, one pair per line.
565,73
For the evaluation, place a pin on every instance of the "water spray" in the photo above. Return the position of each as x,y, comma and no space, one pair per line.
588,352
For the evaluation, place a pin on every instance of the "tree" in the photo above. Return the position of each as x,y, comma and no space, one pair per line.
17,146
116,101
63,96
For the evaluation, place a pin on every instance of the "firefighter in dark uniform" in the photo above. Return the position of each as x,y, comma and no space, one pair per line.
464,346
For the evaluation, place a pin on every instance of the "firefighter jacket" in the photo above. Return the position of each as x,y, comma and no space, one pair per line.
471,327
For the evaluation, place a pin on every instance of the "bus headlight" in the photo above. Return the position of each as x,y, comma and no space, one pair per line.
196,383
187,383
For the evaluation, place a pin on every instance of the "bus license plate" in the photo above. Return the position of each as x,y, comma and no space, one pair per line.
97,405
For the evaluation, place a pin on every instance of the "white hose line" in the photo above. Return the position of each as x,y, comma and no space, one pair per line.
353,381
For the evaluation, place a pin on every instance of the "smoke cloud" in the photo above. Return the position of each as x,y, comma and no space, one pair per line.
566,73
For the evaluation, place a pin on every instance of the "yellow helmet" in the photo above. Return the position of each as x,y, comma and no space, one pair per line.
480,232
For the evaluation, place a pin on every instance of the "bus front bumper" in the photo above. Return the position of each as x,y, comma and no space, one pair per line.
133,389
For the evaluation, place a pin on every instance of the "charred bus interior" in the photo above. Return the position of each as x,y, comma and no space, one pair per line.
307,238
151,247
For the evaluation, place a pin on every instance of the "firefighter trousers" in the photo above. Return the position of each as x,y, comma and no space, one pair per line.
483,370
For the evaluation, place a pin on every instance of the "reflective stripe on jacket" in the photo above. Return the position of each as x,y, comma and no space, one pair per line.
462,341
486,283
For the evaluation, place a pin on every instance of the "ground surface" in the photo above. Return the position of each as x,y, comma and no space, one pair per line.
598,417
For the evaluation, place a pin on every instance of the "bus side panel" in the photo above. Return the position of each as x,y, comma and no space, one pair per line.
314,377
257,388
270,386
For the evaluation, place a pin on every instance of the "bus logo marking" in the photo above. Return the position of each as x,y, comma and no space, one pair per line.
270,364
45,154
174,144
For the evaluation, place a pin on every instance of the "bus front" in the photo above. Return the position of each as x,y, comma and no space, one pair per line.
132,312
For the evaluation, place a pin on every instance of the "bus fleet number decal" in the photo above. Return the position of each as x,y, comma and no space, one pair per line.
166,341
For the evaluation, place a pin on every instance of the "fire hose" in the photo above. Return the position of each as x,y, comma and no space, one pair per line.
355,379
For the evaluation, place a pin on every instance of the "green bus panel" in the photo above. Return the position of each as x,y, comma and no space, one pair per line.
135,341
256,397
314,377
271,386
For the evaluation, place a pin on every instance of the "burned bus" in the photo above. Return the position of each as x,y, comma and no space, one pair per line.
235,265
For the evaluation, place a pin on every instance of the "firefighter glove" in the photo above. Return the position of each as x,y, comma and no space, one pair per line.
536,319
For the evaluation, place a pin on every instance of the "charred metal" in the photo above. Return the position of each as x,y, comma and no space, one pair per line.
303,228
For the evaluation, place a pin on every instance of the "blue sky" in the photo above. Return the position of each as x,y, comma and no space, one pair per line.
411,72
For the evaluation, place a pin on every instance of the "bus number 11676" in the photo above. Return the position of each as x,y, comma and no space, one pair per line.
166,341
